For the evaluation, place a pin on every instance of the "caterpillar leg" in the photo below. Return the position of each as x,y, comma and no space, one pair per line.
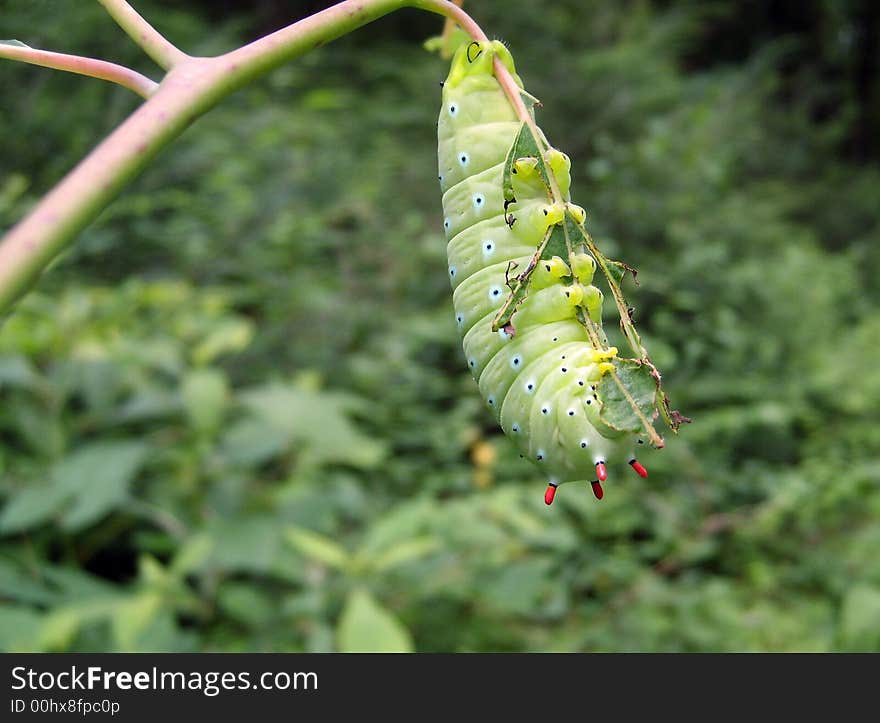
638,467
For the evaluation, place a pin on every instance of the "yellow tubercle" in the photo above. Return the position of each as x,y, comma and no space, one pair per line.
604,368
583,266
548,272
599,356
525,168
578,213
555,213
557,267
557,160
574,294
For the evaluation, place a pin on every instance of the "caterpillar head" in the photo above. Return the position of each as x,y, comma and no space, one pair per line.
476,58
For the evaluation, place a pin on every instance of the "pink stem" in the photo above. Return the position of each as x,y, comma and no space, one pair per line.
92,67
153,43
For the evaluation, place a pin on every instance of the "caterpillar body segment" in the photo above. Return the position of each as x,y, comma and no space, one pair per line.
540,374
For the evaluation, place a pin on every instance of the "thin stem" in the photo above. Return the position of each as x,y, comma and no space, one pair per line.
448,28
453,12
126,77
153,43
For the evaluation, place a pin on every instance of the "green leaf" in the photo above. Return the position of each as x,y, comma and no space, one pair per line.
366,627
629,396
15,43
247,603
251,442
19,628
317,422
31,507
230,336
192,555
17,371
245,543
318,547
131,617
860,619
59,629
402,553
98,478
19,584
205,393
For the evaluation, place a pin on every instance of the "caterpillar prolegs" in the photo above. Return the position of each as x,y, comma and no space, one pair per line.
521,266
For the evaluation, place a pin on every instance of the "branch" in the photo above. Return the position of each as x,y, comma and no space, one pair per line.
154,44
192,87
92,67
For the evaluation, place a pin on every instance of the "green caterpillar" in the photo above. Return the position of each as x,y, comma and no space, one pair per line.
541,370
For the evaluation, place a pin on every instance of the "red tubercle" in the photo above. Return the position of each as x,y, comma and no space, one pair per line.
549,494
597,489
638,467
601,473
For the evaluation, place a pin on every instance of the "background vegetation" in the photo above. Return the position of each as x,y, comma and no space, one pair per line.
236,416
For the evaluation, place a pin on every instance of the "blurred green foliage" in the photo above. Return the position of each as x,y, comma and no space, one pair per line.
236,416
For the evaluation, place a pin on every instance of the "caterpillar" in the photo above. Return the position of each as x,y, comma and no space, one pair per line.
533,340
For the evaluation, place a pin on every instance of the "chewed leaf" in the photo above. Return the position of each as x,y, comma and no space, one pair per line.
613,271
14,43
529,100
552,245
629,399
619,269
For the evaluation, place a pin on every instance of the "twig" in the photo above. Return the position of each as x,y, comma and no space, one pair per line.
126,77
153,43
